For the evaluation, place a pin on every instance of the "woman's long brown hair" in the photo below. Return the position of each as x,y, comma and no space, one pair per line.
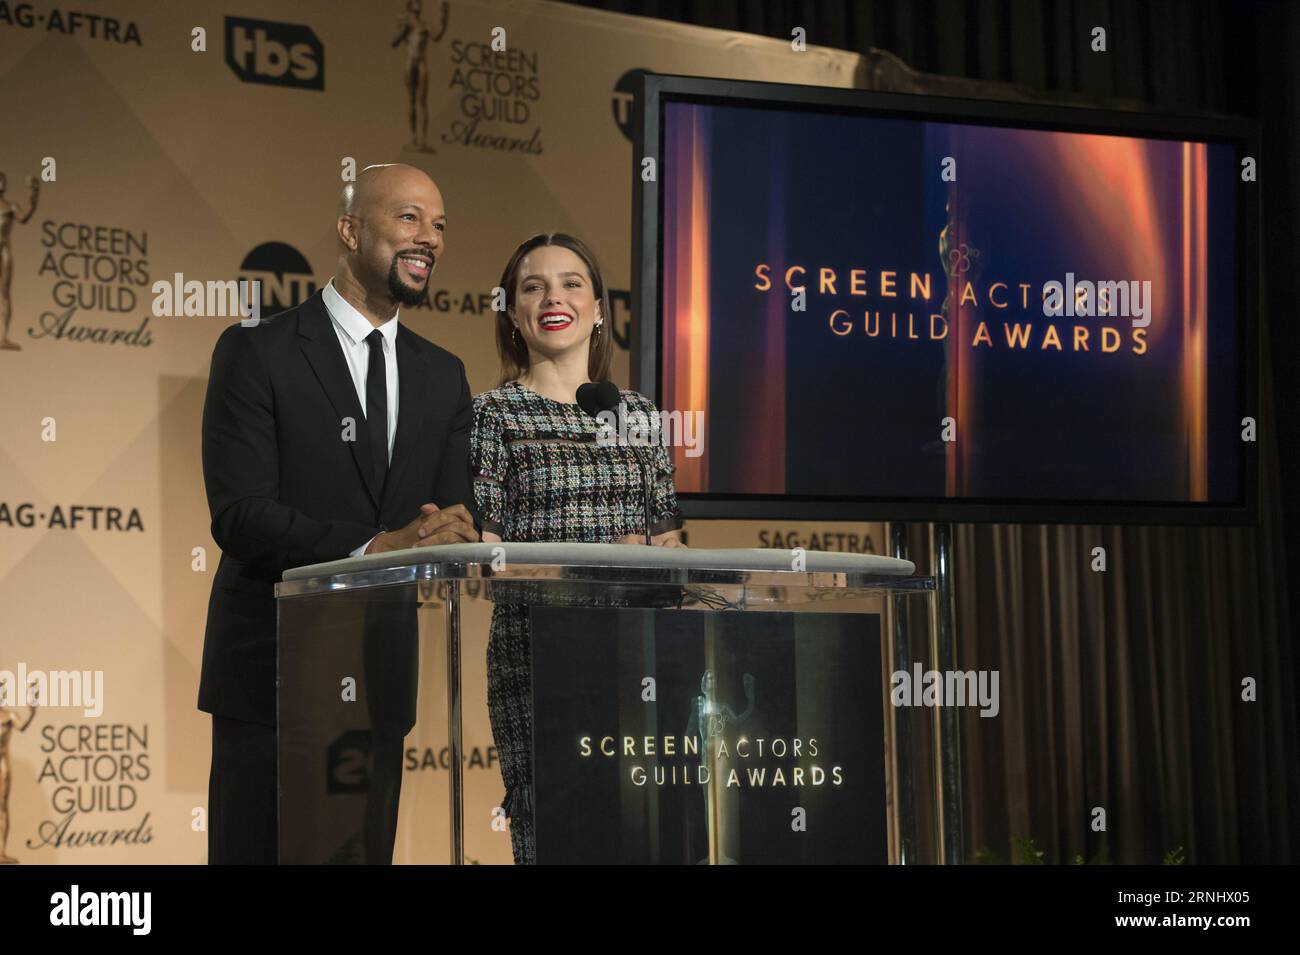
512,349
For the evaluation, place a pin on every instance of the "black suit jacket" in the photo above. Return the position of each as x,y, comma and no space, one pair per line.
285,488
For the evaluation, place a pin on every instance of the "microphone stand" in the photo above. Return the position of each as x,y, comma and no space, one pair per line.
645,488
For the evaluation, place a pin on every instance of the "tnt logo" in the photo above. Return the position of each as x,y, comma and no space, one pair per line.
281,54
622,101
285,275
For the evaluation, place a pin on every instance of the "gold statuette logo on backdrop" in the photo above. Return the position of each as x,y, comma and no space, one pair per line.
416,36
11,212
8,726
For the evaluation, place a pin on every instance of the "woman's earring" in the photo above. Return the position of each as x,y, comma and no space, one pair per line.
514,335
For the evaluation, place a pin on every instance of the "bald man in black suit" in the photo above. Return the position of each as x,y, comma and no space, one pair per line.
287,487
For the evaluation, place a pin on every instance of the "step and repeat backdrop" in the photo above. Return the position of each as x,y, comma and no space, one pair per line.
207,141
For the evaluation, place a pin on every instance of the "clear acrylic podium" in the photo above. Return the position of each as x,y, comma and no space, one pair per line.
689,706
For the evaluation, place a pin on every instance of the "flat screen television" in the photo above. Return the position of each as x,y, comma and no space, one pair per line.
891,307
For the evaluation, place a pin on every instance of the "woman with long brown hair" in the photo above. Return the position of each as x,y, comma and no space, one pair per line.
541,475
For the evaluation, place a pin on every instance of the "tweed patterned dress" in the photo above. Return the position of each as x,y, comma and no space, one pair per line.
541,476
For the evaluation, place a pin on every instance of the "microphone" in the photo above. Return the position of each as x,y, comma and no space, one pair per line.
597,396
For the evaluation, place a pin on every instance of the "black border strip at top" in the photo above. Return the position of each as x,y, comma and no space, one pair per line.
653,90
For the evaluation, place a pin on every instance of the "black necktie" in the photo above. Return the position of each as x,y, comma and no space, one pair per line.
377,405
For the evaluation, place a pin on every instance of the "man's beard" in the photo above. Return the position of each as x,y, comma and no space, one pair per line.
404,294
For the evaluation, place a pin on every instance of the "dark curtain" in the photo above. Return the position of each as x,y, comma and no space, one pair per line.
1120,690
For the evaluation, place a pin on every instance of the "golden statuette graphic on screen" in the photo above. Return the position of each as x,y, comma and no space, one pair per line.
708,722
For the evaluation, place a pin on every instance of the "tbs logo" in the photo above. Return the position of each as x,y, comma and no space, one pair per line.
281,54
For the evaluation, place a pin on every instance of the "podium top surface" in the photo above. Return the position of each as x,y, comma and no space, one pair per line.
605,562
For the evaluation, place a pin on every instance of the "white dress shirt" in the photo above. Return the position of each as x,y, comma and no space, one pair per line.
352,327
